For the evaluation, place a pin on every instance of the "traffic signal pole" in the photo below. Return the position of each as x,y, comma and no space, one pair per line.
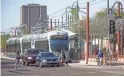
118,33
87,34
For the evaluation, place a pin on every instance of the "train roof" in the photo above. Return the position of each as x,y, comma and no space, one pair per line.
13,40
70,33
42,36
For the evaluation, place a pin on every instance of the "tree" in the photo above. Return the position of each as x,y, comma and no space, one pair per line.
103,13
3,41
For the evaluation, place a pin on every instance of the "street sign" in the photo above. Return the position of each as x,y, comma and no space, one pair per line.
110,13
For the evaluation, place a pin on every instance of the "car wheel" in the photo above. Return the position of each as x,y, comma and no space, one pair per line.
58,65
27,63
23,63
41,64
37,63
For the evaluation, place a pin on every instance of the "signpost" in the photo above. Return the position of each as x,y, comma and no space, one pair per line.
111,26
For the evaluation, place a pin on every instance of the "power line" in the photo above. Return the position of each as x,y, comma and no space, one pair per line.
67,6
79,4
57,11
98,2
86,2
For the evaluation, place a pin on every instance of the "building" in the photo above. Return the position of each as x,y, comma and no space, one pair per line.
31,14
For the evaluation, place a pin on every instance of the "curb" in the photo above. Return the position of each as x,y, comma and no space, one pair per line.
8,58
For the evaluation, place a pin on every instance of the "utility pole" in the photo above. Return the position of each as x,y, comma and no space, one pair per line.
77,21
62,23
50,24
118,33
87,34
4,44
66,17
15,32
68,22
108,28
55,24
108,3
58,24
29,29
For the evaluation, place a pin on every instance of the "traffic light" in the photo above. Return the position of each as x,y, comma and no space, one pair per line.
111,26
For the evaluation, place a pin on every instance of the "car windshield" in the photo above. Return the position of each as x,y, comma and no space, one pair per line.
48,55
33,51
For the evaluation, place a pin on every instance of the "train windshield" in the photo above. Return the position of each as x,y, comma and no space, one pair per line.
59,42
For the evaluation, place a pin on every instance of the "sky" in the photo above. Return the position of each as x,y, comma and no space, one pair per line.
10,9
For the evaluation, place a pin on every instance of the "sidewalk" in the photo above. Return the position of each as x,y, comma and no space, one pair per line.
115,64
82,64
5,57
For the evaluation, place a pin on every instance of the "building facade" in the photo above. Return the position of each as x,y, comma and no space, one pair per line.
31,14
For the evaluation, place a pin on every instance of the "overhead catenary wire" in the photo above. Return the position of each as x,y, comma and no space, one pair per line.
67,7
78,4
97,2
60,15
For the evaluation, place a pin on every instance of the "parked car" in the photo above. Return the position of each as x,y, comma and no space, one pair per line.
47,59
29,56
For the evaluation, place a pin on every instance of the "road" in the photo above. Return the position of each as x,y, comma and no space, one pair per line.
7,69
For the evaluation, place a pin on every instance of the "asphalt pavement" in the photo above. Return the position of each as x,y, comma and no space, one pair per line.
7,69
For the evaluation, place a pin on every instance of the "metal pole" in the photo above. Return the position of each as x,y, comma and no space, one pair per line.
118,14
4,44
50,24
108,3
62,22
29,29
87,34
55,24
58,24
28,20
68,22
66,17
118,33
121,40
15,32
108,28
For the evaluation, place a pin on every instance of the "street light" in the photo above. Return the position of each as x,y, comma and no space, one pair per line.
120,10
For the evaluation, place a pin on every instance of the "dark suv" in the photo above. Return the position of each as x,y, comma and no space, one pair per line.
29,56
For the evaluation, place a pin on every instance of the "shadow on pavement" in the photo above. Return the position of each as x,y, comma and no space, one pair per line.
117,64
23,70
3,63
16,72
